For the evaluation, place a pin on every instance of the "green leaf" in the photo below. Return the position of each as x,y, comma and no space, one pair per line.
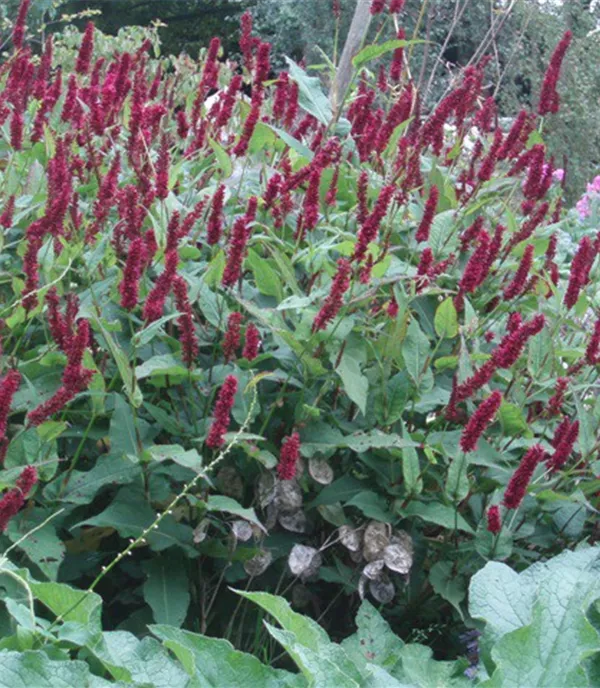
267,280
448,584
372,505
70,604
222,158
411,469
446,320
512,420
130,385
457,480
36,670
165,364
166,589
356,384
147,334
551,649
294,144
374,640
372,52
311,97
307,643
215,662
439,514
44,547
389,406
418,668
339,490
415,351
229,505
174,452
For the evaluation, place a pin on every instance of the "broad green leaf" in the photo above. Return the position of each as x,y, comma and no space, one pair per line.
267,280
147,334
551,649
165,364
144,662
372,52
390,403
448,583
374,640
311,96
34,669
457,480
189,458
44,547
415,351
124,439
229,505
355,382
166,589
294,144
125,370
446,320
419,669
222,158
215,662
372,505
512,420
69,603
440,514
339,490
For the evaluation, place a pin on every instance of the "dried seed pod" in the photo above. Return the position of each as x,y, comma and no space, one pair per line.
288,494
397,559
266,489
356,557
374,570
350,538
200,531
375,540
259,563
320,471
294,520
382,590
304,561
230,482
242,530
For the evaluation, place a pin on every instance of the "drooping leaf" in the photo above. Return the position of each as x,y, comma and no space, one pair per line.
311,96
166,589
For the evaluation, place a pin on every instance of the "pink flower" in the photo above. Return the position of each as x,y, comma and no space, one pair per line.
479,421
289,456
517,485
252,343
222,413
494,520
334,301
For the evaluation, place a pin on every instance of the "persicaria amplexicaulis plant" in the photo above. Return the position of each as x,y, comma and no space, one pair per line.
392,279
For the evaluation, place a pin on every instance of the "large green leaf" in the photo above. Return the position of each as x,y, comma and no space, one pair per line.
229,505
36,670
355,382
446,320
415,351
440,514
216,663
372,52
311,96
166,589
419,669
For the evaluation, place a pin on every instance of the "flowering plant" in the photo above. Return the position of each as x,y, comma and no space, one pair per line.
425,388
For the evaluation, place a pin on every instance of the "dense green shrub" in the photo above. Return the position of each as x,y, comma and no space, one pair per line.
408,353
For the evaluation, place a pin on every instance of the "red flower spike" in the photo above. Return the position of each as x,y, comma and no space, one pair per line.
222,413
187,335
18,33
428,215
593,348
237,246
252,343
494,521
471,233
155,302
489,162
8,388
557,399
519,281
549,98
334,301
134,267
513,137
84,58
6,219
517,485
476,268
479,421
564,448
377,6
580,271
289,456
14,499
370,228
311,201
231,341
